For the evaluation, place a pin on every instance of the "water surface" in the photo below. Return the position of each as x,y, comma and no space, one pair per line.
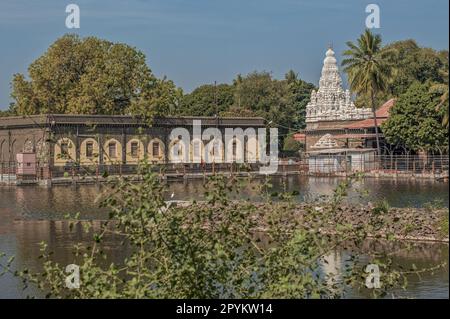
30,215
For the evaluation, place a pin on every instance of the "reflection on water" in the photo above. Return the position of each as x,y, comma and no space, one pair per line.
430,284
29,215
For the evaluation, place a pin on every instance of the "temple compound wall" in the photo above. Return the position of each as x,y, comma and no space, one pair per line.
58,140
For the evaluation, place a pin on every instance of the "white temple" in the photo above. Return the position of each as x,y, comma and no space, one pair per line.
331,102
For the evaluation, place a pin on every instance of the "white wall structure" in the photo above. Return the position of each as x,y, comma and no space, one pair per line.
342,160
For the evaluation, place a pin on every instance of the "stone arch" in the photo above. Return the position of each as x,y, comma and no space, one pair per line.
89,151
251,149
197,151
3,151
235,150
156,150
13,151
134,155
65,151
112,151
177,150
214,151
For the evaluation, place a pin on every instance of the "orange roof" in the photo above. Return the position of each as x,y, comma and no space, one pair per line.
299,137
367,123
355,136
382,115
383,111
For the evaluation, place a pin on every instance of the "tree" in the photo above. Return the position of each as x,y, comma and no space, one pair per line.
442,90
89,76
4,113
415,63
291,145
369,70
300,93
208,100
259,94
414,121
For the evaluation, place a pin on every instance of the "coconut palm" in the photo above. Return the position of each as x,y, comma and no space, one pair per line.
442,90
369,69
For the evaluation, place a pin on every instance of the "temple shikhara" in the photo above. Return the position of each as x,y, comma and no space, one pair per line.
331,102
333,122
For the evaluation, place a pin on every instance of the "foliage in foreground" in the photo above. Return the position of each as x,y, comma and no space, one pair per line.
220,248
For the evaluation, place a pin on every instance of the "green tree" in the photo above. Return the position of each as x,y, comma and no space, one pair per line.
415,63
442,90
5,113
208,100
414,121
369,70
300,93
291,145
89,76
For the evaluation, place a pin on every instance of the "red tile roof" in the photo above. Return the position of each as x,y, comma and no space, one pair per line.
383,111
382,115
299,137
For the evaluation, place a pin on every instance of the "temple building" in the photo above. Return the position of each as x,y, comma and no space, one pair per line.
332,119
331,102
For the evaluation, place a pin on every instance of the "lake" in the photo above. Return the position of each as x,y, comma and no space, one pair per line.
29,215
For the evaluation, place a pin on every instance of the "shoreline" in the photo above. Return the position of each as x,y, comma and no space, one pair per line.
67,181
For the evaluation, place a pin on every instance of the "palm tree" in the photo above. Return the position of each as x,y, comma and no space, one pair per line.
442,90
369,69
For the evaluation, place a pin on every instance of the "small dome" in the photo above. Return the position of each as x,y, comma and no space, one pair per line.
330,52
330,59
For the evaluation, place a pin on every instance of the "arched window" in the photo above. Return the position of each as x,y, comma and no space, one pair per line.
65,151
135,151
89,151
156,150
112,151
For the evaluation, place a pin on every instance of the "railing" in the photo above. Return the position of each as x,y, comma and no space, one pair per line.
7,171
320,165
170,169
414,164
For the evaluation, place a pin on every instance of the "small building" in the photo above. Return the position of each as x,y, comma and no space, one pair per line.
343,160
26,166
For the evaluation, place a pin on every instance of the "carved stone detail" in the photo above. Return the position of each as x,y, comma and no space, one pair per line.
331,102
325,141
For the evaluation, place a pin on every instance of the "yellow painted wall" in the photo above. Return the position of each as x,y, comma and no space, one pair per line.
160,158
140,154
59,159
84,160
118,156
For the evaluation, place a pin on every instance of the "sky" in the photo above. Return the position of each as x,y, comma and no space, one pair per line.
195,42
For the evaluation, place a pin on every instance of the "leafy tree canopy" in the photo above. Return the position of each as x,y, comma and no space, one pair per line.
280,101
208,100
291,145
415,63
415,122
90,76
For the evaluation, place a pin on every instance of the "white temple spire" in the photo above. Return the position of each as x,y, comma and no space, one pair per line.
331,102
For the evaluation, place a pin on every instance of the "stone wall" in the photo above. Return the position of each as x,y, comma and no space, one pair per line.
91,140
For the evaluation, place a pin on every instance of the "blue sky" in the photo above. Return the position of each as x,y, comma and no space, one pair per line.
199,41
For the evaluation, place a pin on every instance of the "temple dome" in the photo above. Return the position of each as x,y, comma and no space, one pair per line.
330,59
